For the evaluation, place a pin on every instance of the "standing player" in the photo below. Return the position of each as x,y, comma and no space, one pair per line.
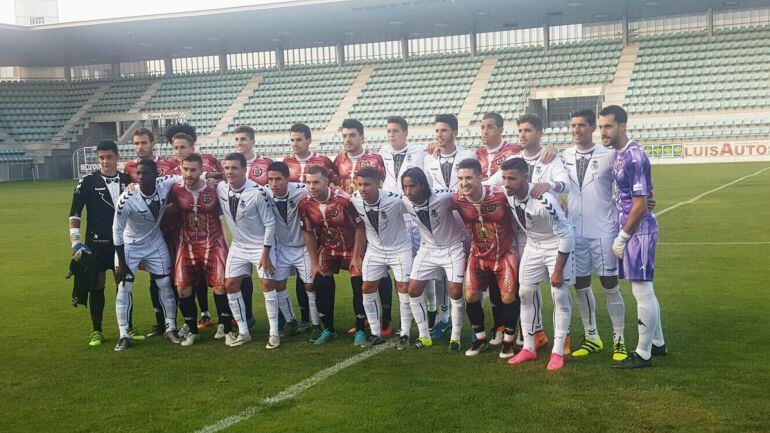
494,150
550,245
246,210
202,247
442,251
638,233
387,245
244,144
441,165
298,162
354,158
137,239
335,239
493,261
594,222
98,193
290,252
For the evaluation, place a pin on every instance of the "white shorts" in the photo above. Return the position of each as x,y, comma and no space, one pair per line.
433,263
595,256
537,265
289,259
240,260
377,262
414,233
154,256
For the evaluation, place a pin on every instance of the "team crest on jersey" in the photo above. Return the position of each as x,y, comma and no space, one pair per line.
595,165
489,207
333,212
364,163
208,199
538,169
434,213
257,172
291,204
383,215
499,160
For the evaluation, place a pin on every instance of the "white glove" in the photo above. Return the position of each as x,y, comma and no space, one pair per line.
619,245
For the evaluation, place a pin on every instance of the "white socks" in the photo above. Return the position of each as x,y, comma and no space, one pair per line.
420,313
617,310
238,308
167,302
271,305
405,312
562,309
648,311
458,317
528,314
314,318
443,302
123,304
538,311
284,303
372,307
587,307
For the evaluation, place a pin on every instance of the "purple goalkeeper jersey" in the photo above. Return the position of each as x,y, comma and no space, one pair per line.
632,175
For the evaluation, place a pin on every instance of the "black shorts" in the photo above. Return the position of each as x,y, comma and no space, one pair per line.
104,253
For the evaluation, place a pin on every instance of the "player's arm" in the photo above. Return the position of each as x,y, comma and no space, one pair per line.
561,228
76,210
268,220
310,241
359,240
549,154
558,182
637,176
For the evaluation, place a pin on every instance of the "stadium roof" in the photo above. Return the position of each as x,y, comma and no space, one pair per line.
311,23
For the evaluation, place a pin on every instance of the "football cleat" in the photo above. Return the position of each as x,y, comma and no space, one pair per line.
566,348
325,337
184,332
190,339
454,346
524,355
290,329
386,331
376,340
220,332
240,340
497,336
556,362
123,344
588,347
135,335
422,342
619,352
477,347
506,351
273,342
359,339
659,350
230,337
403,342
540,340
440,330
633,361
304,328
315,333
172,336
157,331
96,339
204,323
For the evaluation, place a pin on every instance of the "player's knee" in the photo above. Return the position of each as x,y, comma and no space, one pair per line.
219,290
583,282
472,296
184,291
609,282
508,298
370,286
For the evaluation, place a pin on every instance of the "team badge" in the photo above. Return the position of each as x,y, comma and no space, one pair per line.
208,199
383,215
499,160
257,172
538,169
291,204
433,213
488,208
595,165
333,212
364,163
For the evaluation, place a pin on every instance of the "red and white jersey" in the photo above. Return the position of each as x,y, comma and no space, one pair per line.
258,169
439,225
210,165
347,167
298,167
489,221
332,222
200,215
491,159
165,166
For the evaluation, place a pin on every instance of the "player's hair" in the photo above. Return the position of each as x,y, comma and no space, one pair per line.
418,177
400,120
281,167
586,113
182,136
181,128
144,131
516,164
353,124
244,129
301,128
497,118
369,173
316,169
532,119
235,156
194,157
149,164
107,146
449,119
472,164
618,112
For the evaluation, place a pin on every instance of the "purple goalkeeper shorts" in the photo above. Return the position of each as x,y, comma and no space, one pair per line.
638,263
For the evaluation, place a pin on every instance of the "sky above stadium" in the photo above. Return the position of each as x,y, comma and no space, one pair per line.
83,10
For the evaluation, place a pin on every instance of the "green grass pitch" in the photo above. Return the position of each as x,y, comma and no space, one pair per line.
714,300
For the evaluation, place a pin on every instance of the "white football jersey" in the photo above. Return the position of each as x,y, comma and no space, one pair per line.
137,217
539,172
248,215
285,210
591,209
441,170
411,156
439,225
384,221
544,222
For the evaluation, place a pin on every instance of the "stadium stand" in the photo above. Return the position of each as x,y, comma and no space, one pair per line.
122,94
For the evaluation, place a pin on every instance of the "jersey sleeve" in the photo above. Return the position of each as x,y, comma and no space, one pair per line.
561,227
334,176
79,198
119,221
351,215
381,167
560,174
304,216
638,172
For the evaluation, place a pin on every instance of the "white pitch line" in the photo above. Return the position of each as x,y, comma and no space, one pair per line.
713,243
697,197
293,390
